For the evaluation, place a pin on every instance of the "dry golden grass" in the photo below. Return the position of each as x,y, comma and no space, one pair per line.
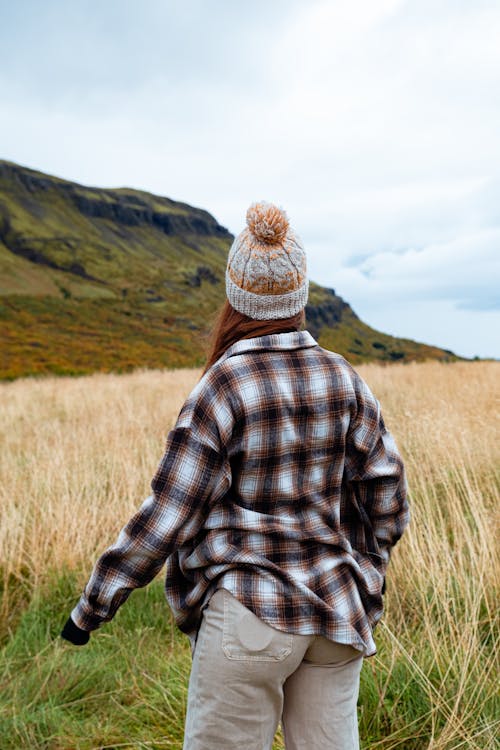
78,454
77,458
442,613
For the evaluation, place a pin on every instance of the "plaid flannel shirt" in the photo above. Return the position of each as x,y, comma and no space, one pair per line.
279,483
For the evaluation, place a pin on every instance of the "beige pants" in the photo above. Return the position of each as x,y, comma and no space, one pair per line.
246,676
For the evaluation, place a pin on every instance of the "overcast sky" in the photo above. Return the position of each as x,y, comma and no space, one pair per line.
374,123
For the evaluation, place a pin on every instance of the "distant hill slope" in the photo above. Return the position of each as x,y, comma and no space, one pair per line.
98,279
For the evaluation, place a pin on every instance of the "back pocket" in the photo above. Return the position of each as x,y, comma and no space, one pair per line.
247,638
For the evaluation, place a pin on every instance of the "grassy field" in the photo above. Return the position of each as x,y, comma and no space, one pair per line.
76,460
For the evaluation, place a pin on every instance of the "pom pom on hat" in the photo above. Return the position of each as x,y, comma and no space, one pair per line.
267,223
266,276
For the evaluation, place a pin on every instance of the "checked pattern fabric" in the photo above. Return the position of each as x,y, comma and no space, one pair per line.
279,483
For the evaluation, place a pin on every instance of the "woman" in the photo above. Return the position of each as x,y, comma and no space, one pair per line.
275,507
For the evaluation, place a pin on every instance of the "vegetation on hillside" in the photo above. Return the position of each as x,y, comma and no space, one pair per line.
76,460
111,280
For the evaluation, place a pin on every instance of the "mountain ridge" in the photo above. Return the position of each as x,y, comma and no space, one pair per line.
115,278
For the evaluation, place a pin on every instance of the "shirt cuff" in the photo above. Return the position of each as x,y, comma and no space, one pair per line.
84,618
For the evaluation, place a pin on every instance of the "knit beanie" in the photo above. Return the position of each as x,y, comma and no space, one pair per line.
266,275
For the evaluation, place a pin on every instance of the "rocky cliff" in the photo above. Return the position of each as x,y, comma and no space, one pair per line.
111,279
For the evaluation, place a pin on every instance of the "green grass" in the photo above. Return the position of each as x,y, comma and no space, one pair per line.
127,688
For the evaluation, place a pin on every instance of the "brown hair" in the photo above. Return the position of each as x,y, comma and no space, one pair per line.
231,326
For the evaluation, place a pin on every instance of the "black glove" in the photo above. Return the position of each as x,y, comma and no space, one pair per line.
73,633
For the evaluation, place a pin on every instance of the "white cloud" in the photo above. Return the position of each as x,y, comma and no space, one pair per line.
462,270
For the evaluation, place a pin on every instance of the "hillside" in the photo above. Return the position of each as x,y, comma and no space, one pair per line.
112,279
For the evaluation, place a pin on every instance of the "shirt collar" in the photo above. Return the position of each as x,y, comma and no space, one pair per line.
273,342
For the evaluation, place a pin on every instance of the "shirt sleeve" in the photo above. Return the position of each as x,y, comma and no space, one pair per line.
375,472
186,478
